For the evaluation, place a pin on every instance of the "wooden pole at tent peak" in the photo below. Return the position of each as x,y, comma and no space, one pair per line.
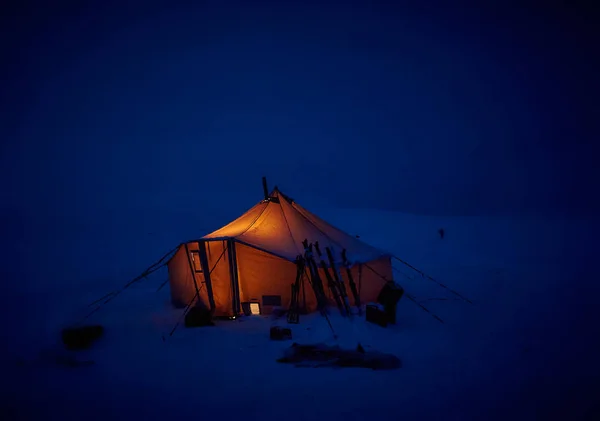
265,189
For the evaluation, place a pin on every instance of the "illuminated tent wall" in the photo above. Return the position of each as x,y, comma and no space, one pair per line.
251,259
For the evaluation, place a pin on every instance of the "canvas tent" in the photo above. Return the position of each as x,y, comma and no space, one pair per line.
252,259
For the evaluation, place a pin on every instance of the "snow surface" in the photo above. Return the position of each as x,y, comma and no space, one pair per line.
526,349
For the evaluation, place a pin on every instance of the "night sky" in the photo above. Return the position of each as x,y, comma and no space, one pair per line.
430,109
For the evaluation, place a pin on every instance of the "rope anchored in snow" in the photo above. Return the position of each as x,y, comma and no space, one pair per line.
162,285
185,312
196,296
112,295
424,275
411,298
115,294
101,298
439,319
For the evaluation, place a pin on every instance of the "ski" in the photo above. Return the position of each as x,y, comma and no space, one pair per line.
293,315
316,283
331,283
338,279
315,279
348,265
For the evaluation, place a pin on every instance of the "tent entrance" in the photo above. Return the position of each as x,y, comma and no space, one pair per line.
223,276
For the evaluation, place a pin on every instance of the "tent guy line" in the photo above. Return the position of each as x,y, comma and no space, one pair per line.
410,297
424,275
113,294
194,298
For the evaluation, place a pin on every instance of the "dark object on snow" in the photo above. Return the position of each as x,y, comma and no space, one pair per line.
375,314
198,317
389,296
82,337
280,333
321,355
441,232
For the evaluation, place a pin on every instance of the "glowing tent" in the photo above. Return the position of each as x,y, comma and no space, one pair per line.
252,260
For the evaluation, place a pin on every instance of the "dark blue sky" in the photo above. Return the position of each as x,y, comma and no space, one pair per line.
419,109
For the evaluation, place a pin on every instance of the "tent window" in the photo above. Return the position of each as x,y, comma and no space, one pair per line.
251,308
255,308
196,260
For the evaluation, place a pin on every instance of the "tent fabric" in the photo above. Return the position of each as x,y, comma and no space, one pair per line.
183,281
279,226
261,273
266,241
218,260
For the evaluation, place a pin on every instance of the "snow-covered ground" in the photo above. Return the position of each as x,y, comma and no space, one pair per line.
526,349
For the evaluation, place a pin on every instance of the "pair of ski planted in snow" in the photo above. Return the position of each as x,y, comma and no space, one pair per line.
335,281
293,315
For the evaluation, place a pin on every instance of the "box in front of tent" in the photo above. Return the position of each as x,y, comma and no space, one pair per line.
198,317
376,314
389,296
